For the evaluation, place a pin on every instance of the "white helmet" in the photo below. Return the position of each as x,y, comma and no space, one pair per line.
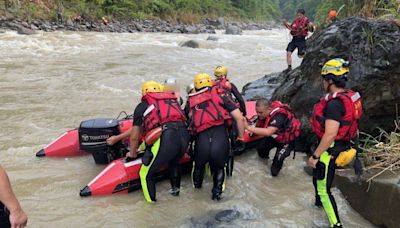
189,88
171,85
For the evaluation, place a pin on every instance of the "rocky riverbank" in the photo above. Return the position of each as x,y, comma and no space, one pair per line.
131,26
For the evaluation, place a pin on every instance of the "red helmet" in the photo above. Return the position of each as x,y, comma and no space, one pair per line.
332,14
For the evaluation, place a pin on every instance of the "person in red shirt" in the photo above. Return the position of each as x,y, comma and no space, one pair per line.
299,30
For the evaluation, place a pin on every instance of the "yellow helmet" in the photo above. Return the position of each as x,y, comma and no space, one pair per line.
336,67
220,71
346,157
151,86
202,80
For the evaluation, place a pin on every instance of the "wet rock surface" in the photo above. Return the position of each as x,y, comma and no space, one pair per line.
190,44
220,218
233,30
373,49
227,215
378,201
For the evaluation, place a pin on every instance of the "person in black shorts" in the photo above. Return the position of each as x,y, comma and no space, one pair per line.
299,31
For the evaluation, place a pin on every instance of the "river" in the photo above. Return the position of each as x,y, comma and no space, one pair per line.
49,82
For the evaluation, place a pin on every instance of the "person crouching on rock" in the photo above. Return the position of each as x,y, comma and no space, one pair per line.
299,31
277,122
209,115
159,112
335,122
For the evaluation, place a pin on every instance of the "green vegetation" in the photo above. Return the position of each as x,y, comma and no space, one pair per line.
186,11
317,10
191,11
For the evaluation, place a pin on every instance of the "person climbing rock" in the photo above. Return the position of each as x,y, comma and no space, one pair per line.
299,31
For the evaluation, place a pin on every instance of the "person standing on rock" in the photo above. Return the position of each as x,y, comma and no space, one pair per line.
228,89
299,31
159,112
11,213
335,122
209,114
277,122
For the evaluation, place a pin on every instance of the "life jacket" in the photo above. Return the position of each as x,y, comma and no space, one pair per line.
292,129
163,107
206,110
300,27
224,87
349,122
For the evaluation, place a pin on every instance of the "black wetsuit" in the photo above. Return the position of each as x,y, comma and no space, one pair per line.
173,144
265,145
4,216
212,146
324,173
233,131
239,98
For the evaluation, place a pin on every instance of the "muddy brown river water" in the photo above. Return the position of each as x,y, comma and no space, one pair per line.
49,82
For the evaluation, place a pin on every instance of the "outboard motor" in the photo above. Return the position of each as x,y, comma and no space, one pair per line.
92,139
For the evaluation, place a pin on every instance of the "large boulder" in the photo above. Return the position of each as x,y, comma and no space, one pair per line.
212,38
190,44
263,87
373,49
25,31
233,30
190,29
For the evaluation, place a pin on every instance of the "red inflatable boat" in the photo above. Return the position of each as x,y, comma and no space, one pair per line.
121,176
68,144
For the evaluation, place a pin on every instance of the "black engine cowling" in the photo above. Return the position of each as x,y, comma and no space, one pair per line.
92,139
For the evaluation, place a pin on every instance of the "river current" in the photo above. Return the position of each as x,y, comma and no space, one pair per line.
49,82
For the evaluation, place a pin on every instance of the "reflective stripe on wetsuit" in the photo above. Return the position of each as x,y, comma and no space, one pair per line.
323,189
144,170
